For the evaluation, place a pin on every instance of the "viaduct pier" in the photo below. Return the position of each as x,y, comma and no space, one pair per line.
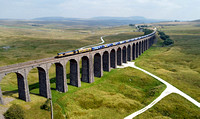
93,65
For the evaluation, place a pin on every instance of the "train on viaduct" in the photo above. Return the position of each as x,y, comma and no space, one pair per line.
93,65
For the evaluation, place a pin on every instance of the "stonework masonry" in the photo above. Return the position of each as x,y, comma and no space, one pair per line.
93,64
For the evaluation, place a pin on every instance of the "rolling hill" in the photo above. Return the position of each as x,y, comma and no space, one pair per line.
198,20
103,20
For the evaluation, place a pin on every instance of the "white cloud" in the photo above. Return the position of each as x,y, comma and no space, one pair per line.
162,9
89,8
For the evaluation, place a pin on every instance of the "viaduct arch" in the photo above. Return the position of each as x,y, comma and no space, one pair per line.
93,65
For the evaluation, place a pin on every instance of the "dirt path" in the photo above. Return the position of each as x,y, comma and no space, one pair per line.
170,89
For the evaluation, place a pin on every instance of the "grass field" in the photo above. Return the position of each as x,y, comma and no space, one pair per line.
119,92
172,107
31,43
122,36
131,90
179,65
28,43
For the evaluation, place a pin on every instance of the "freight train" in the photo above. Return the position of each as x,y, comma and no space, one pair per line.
73,52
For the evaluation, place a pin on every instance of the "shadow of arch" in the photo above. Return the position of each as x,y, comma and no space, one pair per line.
85,69
112,58
137,50
106,61
61,81
97,65
124,54
129,53
119,56
133,51
140,46
74,73
44,83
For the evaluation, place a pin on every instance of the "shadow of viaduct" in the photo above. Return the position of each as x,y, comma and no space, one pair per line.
93,65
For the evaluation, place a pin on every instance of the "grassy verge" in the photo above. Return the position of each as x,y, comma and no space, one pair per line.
117,94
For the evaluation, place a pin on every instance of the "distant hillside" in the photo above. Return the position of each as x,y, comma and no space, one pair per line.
198,20
94,18
119,18
54,18
104,20
96,21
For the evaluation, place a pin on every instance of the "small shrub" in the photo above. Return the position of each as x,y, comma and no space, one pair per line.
161,33
147,31
166,38
168,41
131,24
46,105
14,112
163,37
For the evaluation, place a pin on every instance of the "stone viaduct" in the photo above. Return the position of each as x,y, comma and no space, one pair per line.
93,65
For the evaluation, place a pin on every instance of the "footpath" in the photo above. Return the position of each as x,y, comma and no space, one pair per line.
170,89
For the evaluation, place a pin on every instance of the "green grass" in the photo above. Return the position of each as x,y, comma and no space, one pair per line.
119,92
31,43
89,100
122,36
173,106
178,64
115,95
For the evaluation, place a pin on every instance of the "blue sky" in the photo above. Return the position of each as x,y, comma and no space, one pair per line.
157,9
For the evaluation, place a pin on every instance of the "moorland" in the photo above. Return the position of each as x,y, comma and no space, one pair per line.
119,92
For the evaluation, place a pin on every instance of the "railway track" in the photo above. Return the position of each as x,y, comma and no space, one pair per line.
25,64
